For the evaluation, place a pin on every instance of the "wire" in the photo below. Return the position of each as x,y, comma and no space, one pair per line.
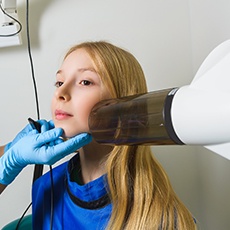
35,89
51,198
20,220
38,168
31,59
15,20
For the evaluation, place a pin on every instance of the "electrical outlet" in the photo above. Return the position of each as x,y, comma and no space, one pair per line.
9,40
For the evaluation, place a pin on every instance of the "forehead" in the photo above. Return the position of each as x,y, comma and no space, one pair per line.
77,61
78,58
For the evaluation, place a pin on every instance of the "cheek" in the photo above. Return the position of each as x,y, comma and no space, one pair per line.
86,109
79,124
85,112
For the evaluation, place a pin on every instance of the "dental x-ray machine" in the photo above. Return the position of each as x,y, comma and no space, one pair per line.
199,113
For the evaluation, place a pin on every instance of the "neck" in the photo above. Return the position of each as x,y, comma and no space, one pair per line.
92,159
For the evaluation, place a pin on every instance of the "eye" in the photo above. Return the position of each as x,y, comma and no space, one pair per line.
86,82
58,84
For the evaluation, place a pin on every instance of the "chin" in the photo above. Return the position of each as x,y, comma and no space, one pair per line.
69,130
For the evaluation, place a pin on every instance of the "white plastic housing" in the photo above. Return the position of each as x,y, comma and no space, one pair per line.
201,111
200,117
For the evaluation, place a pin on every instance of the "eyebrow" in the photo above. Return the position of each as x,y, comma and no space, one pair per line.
80,70
58,72
87,69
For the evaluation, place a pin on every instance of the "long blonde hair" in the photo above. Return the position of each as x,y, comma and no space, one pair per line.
141,194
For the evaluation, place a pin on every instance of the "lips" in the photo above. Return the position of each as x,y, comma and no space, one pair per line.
62,115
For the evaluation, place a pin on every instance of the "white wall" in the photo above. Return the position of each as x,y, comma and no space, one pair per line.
169,38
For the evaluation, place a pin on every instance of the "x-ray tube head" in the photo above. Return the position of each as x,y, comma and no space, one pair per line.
137,119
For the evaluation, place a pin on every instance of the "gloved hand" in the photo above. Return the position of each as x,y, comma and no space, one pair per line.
35,148
45,125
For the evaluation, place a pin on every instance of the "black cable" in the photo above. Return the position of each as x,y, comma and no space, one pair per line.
31,59
51,198
35,89
15,20
23,215
38,168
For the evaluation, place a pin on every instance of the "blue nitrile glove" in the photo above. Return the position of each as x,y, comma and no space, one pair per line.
35,149
45,125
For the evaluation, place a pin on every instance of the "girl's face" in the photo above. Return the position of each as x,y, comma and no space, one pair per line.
78,89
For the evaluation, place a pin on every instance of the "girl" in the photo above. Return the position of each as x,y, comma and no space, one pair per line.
103,187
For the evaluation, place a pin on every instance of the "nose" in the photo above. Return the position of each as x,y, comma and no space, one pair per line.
63,92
